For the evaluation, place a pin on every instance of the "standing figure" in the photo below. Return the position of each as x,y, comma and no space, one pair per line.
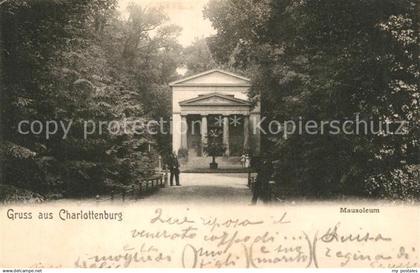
174,169
247,161
243,160
264,171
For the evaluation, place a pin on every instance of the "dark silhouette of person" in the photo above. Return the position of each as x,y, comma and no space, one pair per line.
264,171
174,170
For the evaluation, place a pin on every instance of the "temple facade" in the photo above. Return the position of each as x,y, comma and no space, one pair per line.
214,105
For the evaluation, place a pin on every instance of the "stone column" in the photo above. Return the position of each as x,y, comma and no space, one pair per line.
203,133
176,132
256,138
184,130
226,134
246,133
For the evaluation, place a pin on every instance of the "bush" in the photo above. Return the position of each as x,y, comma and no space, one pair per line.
183,153
397,184
13,194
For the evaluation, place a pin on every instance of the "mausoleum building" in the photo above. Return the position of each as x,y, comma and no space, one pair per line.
214,105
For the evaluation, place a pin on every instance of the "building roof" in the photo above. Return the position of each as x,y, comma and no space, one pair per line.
214,77
214,99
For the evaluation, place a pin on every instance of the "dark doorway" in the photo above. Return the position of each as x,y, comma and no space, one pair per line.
236,135
194,135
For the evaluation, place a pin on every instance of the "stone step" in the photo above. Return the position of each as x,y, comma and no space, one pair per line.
204,162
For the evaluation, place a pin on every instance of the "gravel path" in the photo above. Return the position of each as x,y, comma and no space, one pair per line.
205,188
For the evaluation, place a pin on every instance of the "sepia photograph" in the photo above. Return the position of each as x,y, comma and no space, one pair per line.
210,134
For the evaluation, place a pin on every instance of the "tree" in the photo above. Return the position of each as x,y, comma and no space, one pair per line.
150,62
198,58
315,60
70,62
213,148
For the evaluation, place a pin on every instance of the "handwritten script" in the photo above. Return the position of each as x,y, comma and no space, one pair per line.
194,240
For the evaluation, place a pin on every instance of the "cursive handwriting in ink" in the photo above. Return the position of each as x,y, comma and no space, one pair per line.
158,218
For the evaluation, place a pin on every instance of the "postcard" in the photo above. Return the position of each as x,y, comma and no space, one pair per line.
190,134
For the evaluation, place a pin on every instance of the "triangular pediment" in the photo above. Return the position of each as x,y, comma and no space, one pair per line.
213,77
215,99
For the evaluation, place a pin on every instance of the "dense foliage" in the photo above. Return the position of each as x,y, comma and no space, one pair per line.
214,148
198,58
76,62
330,60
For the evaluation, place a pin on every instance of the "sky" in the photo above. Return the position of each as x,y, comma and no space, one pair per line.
187,14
